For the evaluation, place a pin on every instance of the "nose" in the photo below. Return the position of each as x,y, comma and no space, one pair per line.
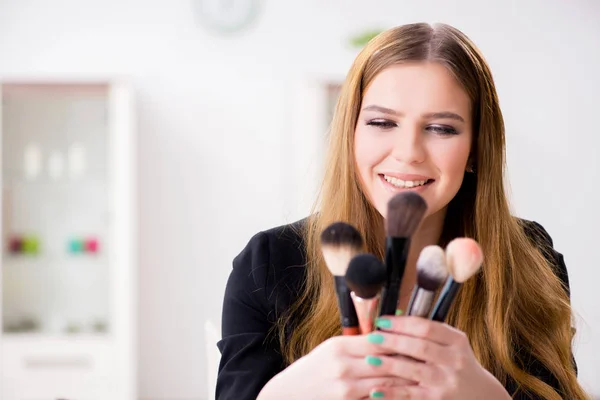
409,146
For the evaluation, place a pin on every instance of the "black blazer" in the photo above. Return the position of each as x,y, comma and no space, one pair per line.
265,281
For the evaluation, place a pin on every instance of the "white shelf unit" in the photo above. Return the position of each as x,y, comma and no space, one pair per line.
79,343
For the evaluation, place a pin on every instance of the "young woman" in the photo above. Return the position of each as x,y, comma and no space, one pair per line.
418,111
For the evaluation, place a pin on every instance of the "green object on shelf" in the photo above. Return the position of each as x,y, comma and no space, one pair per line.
31,245
363,38
100,326
73,328
76,246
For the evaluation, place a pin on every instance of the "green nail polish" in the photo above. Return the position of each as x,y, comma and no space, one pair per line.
399,312
377,395
375,338
372,360
384,323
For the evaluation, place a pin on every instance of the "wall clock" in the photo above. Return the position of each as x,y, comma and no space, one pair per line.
227,16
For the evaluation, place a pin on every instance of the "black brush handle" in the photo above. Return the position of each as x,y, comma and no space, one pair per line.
396,252
447,295
389,300
347,310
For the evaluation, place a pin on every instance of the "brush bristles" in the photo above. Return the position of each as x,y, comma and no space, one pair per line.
338,258
341,233
365,275
431,268
404,214
464,257
339,243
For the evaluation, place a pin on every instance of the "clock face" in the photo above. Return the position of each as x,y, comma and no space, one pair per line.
227,16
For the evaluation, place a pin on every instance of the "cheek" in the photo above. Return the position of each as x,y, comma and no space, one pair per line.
369,151
451,159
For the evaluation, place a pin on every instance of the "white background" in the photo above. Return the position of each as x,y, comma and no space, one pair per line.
222,148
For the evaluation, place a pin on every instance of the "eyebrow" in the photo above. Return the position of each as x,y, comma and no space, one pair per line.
444,115
434,115
384,110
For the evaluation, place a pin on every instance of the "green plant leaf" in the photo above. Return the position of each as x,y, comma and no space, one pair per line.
361,39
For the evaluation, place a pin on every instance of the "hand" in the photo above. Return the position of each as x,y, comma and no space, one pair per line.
339,368
437,357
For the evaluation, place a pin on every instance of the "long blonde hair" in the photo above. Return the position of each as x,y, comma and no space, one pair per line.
517,303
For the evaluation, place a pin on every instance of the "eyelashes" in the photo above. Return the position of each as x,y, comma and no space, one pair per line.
442,130
382,124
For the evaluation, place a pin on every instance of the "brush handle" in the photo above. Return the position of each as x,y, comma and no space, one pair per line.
413,297
347,310
396,252
421,304
367,310
350,331
447,295
389,299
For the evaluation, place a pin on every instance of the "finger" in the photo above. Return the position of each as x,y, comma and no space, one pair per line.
417,348
343,346
400,392
439,332
361,388
369,367
407,371
414,372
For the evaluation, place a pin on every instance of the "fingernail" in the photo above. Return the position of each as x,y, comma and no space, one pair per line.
377,395
375,338
399,312
372,360
383,323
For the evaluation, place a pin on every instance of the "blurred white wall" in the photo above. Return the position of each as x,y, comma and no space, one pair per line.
222,148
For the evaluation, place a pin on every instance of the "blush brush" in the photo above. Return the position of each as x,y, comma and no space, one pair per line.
340,242
404,215
431,274
464,258
365,277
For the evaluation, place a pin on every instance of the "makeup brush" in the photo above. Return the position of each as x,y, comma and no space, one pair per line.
340,242
464,258
365,277
404,214
431,274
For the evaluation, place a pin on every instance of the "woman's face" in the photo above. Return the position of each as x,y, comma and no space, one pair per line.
413,133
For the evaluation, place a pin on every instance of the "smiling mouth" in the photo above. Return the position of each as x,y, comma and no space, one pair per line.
400,184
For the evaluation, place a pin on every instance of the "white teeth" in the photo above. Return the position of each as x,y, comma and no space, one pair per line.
403,184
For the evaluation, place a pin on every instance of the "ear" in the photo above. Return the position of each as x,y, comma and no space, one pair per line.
470,166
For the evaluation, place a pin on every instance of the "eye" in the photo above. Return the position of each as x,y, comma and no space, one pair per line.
443,130
382,123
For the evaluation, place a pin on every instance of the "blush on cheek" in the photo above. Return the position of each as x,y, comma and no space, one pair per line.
367,156
368,153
